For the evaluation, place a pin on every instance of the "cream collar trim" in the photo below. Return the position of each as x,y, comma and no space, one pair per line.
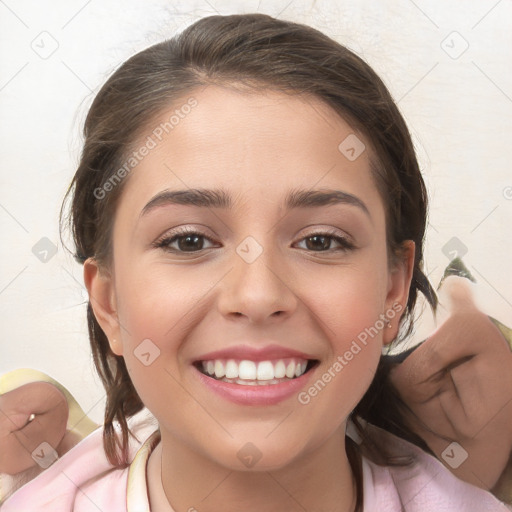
137,499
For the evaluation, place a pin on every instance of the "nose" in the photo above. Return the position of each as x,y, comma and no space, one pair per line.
257,291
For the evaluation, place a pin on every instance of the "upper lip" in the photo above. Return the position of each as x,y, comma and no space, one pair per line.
247,352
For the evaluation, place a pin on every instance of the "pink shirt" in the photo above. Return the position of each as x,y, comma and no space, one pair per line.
84,481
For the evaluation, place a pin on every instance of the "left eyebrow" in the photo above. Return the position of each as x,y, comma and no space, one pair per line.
218,198
316,198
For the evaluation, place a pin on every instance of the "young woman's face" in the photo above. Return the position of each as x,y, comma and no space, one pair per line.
271,261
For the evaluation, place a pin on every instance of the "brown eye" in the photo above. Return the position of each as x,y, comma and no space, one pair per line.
323,242
188,241
315,243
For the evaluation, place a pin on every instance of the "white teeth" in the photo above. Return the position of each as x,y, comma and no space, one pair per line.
219,369
248,372
290,370
231,369
265,371
279,370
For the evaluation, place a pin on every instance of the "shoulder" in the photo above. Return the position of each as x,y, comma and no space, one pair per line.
82,480
421,484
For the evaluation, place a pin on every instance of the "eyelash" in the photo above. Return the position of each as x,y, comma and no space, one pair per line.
165,241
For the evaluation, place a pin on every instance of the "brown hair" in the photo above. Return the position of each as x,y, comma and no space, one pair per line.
258,52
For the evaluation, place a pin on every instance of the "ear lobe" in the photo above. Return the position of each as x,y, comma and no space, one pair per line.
399,282
100,286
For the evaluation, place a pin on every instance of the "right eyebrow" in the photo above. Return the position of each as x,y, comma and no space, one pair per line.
214,198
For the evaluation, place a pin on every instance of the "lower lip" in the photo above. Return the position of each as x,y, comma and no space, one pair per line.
270,394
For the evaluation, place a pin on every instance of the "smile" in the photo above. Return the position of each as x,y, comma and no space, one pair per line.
254,381
255,373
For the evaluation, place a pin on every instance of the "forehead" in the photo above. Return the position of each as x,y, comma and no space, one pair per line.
250,142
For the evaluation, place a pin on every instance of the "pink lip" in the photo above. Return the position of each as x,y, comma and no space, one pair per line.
240,352
269,394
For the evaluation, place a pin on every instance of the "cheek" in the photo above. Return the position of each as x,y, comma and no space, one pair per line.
157,303
349,302
348,308
157,308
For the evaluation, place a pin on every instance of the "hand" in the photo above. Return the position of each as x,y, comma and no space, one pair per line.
458,385
20,435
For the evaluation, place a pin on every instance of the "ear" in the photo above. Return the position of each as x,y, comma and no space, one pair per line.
100,286
399,282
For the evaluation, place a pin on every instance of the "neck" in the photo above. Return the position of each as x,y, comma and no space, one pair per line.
320,480
503,487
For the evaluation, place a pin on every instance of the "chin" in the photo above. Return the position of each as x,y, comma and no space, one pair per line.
257,455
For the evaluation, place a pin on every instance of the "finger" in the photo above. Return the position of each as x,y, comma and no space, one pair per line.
457,341
36,397
469,395
460,300
459,294
20,437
